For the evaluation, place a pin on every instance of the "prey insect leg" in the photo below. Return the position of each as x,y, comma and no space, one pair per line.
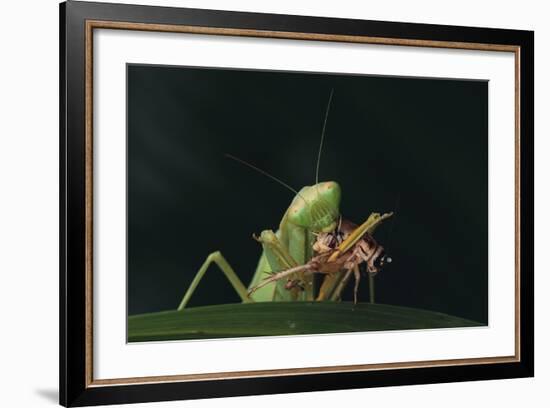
279,275
357,276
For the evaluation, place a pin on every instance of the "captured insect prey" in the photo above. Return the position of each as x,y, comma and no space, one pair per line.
342,250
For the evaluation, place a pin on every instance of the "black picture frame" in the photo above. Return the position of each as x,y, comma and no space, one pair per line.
76,385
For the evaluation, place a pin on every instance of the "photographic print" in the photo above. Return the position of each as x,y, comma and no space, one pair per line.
258,203
265,203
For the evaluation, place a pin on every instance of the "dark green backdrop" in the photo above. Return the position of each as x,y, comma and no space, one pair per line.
410,145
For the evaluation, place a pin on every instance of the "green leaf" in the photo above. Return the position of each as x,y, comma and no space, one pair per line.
283,318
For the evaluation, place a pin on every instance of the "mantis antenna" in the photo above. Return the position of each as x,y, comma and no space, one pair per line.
323,137
265,173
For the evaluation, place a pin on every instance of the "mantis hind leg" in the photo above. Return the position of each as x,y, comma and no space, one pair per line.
218,259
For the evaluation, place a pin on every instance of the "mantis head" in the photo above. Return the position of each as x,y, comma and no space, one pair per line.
317,207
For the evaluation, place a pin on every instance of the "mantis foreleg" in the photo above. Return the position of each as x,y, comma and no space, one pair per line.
229,273
279,258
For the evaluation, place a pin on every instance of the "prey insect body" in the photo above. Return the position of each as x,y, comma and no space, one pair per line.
342,250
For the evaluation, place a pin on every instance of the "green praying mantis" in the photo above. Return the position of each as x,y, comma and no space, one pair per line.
312,238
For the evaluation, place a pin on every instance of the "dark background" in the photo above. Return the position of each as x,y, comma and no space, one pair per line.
410,145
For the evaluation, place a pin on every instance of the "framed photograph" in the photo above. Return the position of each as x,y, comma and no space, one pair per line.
256,203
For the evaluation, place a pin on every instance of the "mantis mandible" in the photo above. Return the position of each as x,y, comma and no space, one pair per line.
314,210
